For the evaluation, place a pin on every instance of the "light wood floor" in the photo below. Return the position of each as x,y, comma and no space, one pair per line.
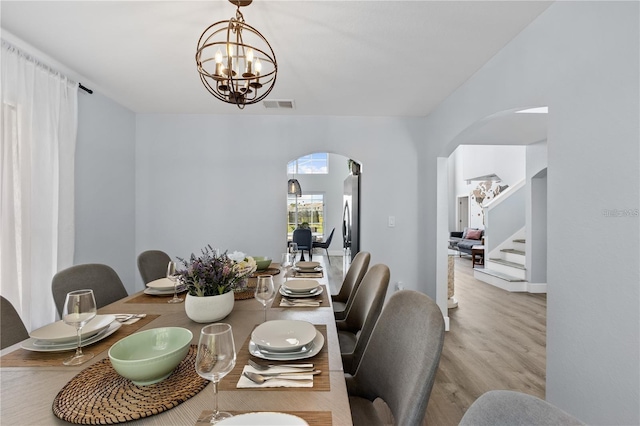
497,340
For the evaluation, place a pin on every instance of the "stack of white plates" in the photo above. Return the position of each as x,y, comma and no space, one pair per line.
308,267
300,288
282,340
162,287
59,336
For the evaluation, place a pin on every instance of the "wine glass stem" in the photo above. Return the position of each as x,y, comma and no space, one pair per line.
216,412
175,289
79,347
265,312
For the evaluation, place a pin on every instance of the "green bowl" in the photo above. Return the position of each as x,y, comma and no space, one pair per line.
150,356
262,262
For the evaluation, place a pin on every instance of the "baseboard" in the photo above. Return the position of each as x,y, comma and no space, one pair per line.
446,323
537,287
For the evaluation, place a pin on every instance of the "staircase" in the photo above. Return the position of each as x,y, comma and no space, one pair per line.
508,271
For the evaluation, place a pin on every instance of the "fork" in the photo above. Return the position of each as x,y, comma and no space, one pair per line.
268,366
127,317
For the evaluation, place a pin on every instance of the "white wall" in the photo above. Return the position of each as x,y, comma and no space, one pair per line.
105,186
225,175
536,212
581,59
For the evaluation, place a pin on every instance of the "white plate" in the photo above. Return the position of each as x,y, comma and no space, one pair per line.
317,344
263,419
30,344
61,332
159,292
161,284
300,286
315,292
283,335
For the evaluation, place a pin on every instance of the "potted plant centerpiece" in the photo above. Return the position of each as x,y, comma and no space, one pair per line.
211,280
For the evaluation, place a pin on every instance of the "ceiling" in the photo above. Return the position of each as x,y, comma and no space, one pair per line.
339,58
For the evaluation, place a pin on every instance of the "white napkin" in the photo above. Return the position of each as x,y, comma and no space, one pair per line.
287,303
276,383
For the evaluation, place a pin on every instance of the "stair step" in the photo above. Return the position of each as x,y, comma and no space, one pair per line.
500,275
507,263
513,251
519,240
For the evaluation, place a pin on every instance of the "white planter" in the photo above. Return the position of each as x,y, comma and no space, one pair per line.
210,308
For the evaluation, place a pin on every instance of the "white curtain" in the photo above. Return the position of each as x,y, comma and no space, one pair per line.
39,126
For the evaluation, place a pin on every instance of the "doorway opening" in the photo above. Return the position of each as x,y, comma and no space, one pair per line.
321,204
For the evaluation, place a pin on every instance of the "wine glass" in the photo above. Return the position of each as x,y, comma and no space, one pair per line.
216,357
265,291
79,309
173,277
285,263
293,249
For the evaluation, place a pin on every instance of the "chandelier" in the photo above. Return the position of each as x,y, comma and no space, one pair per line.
236,63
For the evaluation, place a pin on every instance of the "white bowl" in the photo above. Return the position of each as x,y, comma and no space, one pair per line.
60,332
161,284
300,286
283,335
150,356
307,266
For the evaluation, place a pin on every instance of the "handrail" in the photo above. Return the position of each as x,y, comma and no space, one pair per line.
503,195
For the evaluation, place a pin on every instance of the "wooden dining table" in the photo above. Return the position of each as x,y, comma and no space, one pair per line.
30,381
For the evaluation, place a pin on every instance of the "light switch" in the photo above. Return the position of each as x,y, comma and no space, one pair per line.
392,221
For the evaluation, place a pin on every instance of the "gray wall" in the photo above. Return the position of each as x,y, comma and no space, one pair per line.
199,180
581,59
105,183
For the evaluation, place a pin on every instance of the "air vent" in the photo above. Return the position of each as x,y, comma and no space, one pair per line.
279,104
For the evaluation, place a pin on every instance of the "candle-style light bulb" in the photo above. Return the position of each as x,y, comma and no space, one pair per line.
218,58
258,66
249,59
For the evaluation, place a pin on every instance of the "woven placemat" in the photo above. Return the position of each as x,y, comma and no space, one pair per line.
321,382
324,300
99,395
268,271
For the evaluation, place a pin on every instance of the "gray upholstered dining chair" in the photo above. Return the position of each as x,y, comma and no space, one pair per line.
325,244
12,329
509,408
355,329
152,265
400,362
102,279
303,237
343,300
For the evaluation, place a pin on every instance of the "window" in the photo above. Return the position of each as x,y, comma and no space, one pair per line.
311,164
309,209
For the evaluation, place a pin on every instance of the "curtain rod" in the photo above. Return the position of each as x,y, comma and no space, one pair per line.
86,89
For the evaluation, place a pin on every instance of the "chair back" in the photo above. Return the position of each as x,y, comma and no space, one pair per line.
12,329
357,269
363,313
152,265
400,362
303,237
328,242
507,408
102,279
